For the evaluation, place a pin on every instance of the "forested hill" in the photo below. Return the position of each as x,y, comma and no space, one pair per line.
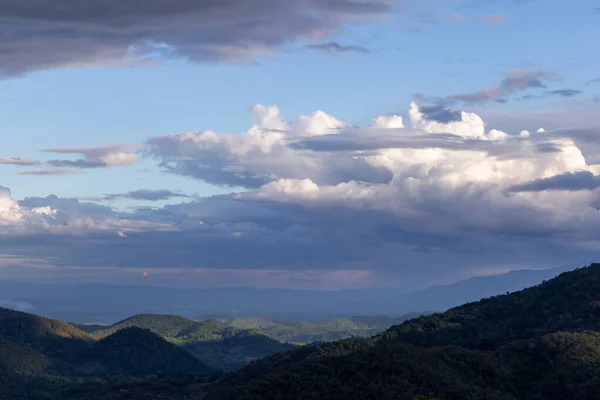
42,358
571,301
214,343
17,325
541,343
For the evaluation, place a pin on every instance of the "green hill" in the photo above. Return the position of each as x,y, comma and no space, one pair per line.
308,332
42,358
139,352
571,301
539,343
17,325
214,343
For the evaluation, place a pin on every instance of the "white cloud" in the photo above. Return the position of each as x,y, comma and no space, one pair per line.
323,193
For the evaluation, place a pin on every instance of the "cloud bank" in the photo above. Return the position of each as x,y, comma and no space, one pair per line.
434,191
108,32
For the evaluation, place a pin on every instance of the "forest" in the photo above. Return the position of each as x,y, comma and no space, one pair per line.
539,343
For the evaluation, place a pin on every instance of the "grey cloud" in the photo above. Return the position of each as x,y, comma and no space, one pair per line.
570,181
493,19
439,113
414,29
95,157
18,161
335,47
550,93
41,35
147,194
71,206
514,81
75,164
565,92
219,166
50,172
593,81
293,237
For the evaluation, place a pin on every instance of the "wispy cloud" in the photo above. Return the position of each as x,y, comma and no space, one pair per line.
514,81
18,161
144,194
50,172
336,48
96,157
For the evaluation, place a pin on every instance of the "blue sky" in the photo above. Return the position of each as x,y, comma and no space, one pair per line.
432,52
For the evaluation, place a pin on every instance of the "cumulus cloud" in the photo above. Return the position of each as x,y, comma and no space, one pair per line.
569,181
432,190
113,32
37,216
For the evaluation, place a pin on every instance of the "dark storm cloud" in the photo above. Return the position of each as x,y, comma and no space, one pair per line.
335,47
570,181
38,34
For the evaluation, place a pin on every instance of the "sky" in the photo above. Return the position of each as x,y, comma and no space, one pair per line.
315,144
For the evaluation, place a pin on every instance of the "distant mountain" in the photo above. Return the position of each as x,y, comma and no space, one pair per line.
443,297
539,343
102,304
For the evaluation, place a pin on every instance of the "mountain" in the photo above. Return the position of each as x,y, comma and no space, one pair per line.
214,343
17,325
105,304
101,303
40,357
443,297
139,352
305,332
538,343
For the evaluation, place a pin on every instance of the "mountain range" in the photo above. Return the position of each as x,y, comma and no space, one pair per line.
538,343
106,304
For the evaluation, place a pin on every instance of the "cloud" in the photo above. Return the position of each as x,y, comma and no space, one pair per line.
109,32
569,181
457,17
336,48
593,81
453,17
146,194
50,172
493,19
17,305
18,161
430,192
95,157
514,81
414,29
